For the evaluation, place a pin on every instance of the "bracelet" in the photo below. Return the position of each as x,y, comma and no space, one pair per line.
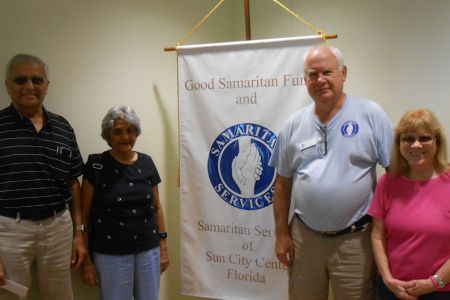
439,282
81,227
162,235
433,280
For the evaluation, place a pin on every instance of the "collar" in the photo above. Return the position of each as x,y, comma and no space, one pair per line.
19,118
336,116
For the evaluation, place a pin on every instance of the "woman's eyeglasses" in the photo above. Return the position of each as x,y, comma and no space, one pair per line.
411,139
36,80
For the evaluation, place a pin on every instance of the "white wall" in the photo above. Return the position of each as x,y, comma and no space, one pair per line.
396,50
107,52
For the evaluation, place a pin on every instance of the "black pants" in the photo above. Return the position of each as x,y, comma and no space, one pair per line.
383,293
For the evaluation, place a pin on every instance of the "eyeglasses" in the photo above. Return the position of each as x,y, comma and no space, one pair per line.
323,143
36,80
411,139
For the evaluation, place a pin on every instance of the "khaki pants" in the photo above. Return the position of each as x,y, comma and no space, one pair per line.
345,262
48,243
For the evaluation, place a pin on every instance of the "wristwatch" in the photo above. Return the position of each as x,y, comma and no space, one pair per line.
441,284
80,227
162,235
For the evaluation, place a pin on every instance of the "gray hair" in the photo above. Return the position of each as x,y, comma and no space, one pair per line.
120,112
336,52
22,58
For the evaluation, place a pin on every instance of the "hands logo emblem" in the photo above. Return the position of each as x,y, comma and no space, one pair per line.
246,167
237,166
349,129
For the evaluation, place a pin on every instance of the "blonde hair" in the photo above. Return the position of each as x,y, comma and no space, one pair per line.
414,121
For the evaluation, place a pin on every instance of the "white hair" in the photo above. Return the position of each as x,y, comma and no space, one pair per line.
336,52
120,112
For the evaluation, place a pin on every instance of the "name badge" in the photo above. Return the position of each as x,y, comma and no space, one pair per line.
308,144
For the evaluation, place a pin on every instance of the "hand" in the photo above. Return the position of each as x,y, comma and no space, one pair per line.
79,250
421,287
164,256
285,249
2,273
399,288
246,167
89,274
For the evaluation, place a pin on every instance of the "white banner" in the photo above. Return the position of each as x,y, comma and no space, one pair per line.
234,98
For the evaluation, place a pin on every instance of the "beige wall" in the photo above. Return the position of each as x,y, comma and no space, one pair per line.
107,52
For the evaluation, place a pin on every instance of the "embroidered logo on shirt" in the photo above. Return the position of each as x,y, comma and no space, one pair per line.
64,151
238,166
349,129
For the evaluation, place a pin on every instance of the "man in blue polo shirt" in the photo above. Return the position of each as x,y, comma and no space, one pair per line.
39,168
326,155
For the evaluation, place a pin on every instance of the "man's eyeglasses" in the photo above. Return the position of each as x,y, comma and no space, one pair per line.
36,80
411,139
323,144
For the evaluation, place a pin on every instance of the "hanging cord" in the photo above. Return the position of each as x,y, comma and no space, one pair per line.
320,32
200,23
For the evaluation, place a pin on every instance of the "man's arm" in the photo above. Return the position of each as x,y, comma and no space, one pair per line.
78,247
284,246
89,273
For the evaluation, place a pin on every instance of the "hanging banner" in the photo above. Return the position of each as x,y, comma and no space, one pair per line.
234,98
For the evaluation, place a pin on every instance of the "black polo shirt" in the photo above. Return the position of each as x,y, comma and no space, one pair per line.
35,166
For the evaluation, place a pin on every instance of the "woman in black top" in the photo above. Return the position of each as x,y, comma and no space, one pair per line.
127,233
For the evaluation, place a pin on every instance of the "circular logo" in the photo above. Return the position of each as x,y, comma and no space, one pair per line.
238,166
349,129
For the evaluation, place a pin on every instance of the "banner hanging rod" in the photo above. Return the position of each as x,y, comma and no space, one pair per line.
248,36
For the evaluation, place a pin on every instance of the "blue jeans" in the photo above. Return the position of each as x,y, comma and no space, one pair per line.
124,276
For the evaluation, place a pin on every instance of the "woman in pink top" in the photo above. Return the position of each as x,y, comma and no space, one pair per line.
411,213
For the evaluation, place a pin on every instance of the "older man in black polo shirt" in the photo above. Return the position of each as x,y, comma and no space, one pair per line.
39,166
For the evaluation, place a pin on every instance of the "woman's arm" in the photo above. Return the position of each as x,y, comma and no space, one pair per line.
428,285
2,273
164,259
378,236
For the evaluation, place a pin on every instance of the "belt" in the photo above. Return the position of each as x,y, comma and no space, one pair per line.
35,213
359,225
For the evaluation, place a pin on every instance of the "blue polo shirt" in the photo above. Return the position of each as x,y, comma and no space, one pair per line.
334,177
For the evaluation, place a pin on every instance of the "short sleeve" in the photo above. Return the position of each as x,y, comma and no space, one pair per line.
378,207
89,171
152,174
280,155
384,134
76,162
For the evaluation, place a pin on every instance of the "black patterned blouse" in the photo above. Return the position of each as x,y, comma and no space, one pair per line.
122,214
